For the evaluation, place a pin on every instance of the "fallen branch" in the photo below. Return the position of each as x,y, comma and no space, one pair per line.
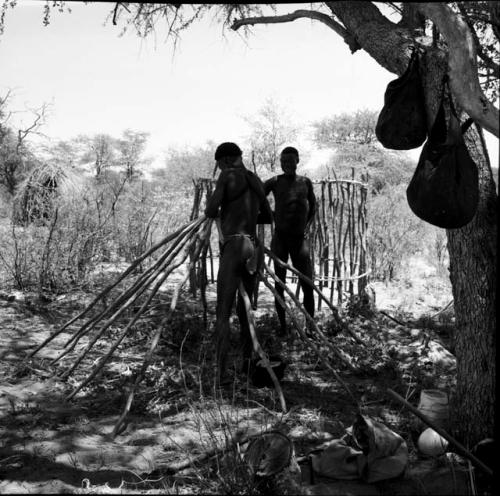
448,305
309,319
237,440
393,319
204,239
317,290
132,294
131,323
106,290
308,340
256,345
460,447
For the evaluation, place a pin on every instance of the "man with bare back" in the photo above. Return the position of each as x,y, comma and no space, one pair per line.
239,196
295,206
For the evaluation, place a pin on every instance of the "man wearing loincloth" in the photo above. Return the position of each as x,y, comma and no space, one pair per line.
295,205
239,196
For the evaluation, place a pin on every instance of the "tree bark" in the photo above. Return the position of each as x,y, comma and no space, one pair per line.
472,248
473,267
464,81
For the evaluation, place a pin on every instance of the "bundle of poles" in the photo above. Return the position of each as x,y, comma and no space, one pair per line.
189,242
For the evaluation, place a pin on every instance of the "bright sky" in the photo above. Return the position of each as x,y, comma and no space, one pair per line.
100,82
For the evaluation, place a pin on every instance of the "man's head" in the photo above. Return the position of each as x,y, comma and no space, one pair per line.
289,159
228,155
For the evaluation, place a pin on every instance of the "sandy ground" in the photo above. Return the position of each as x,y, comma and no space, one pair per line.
49,445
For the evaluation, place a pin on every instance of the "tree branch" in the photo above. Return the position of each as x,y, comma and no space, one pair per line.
488,62
115,12
347,36
37,122
384,40
462,64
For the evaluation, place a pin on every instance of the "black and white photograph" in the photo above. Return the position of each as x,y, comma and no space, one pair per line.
248,248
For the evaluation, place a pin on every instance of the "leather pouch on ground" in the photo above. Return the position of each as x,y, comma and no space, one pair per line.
370,451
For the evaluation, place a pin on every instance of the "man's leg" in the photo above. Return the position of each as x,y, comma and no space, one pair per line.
249,283
245,336
301,260
227,283
279,248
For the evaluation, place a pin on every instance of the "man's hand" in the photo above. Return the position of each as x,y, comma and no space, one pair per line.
307,229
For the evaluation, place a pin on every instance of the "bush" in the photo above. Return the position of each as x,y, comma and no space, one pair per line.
394,232
108,220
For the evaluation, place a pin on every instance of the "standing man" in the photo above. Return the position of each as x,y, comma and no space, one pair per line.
295,205
239,196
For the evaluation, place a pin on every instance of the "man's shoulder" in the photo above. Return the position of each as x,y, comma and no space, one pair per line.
272,180
305,180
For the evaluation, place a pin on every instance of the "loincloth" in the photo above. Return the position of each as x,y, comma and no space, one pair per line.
252,261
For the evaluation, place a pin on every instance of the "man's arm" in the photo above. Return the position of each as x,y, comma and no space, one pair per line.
311,198
265,213
269,185
215,200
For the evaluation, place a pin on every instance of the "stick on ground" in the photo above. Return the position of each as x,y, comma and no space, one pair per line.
156,337
256,345
308,340
309,318
460,447
318,291
106,290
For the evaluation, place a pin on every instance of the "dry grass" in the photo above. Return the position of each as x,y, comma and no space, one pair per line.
178,415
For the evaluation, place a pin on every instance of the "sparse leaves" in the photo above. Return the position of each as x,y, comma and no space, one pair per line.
271,129
358,128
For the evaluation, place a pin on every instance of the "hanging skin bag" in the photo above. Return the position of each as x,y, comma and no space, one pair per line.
444,189
402,123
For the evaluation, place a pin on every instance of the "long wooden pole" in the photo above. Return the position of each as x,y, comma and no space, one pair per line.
307,340
257,347
106,290
460,447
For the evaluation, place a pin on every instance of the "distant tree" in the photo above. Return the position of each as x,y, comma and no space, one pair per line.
357,128
352,135
182,166
16,154
272,129
130,151
99,150
65,152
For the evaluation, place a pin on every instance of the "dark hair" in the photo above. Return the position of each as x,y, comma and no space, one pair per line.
227,149
291,149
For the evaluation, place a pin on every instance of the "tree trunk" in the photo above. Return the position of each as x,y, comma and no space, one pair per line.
472,248
472,251
473,267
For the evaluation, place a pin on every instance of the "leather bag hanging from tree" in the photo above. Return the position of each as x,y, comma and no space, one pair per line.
444,190
402,123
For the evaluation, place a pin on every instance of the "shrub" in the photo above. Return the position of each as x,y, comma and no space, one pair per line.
394,232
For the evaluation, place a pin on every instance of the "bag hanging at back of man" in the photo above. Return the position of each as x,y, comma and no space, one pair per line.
402,122
444,190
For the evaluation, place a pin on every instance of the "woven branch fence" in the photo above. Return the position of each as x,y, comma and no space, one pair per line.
338,237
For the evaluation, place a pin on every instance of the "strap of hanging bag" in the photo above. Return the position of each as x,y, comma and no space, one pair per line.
469,121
